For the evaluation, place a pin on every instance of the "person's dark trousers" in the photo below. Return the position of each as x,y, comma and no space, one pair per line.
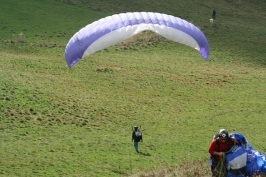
213,168
136,146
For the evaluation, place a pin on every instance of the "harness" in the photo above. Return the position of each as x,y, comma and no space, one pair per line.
137,133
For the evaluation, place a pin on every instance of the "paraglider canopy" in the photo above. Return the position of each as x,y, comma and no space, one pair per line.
113,29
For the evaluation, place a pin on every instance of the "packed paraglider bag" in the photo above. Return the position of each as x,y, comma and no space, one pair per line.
236,162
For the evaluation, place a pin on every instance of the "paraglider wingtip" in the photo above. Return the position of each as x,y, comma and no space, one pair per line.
70,65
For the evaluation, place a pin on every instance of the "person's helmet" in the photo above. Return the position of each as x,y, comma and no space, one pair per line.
223,133
136,127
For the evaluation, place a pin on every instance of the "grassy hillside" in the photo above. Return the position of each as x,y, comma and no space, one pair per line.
57,121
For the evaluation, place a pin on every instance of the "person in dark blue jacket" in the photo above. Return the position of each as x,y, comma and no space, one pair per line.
136,137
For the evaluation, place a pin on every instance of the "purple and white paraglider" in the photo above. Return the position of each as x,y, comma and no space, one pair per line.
113,29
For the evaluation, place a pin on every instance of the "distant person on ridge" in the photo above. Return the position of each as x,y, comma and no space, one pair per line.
136,137
213,13
220,144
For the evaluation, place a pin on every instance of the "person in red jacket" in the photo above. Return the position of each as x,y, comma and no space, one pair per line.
219,146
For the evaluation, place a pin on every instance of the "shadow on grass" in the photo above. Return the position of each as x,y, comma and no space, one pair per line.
144,154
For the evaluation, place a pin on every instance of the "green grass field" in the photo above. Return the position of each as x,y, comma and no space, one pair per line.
57,121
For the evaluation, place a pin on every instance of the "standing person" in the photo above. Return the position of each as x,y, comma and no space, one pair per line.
213,13
136,137
221,144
